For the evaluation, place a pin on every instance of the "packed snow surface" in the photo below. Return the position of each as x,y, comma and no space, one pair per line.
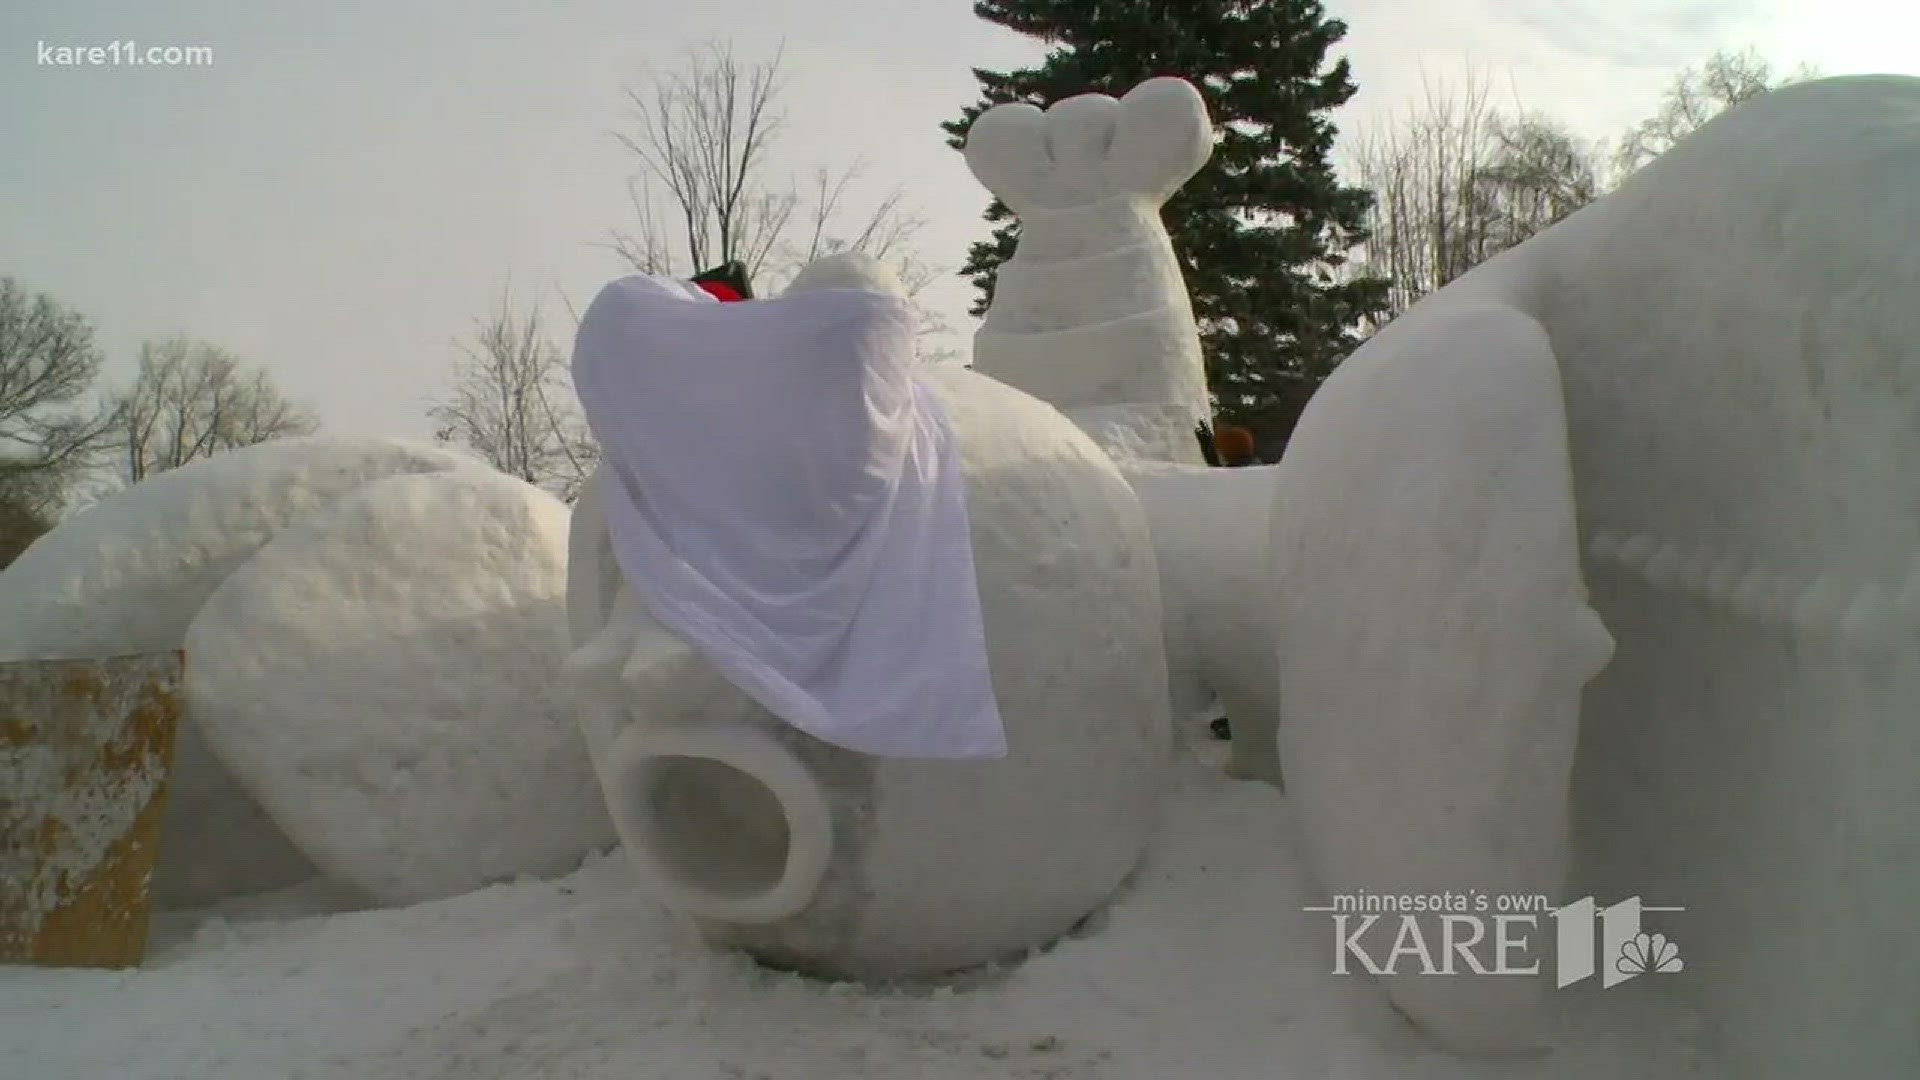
1204,967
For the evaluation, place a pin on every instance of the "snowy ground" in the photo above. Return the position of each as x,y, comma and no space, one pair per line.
1205,967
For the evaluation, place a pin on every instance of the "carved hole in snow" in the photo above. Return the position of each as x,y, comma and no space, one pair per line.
716,830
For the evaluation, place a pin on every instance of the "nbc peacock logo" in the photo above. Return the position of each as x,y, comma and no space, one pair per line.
1649,953
1611,943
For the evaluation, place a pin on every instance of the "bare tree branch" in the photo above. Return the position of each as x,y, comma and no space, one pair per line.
192,400
50,435
704,136
1696,96
1456,181
511,401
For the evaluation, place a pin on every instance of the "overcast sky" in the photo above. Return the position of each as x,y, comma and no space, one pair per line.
351,182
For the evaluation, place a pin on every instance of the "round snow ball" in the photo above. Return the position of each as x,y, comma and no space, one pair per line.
382,679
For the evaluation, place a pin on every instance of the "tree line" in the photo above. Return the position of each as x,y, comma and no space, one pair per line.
63,436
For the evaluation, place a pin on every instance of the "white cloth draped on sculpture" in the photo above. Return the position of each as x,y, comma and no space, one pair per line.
785,495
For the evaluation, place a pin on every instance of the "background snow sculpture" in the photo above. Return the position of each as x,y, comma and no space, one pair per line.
1735,334
839,864
1091,313
352,609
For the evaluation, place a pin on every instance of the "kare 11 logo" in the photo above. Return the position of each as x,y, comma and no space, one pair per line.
1485,934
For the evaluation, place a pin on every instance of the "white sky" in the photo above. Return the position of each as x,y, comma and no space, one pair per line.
351,182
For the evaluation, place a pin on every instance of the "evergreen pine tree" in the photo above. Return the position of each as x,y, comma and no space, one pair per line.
1262,231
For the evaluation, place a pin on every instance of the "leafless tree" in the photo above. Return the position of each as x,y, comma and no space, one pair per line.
511,401
1457,181
192,400
1421,172
52,432
20,526
1539,173
703,135
888,233
709,193
1697,95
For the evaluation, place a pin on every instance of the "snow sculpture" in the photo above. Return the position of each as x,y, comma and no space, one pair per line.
1432,633
1717,365
129,573
1210,542
1091,313
840,864
386,683
373,632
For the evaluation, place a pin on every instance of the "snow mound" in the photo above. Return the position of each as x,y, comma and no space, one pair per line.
1739,336
382,678
131,573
